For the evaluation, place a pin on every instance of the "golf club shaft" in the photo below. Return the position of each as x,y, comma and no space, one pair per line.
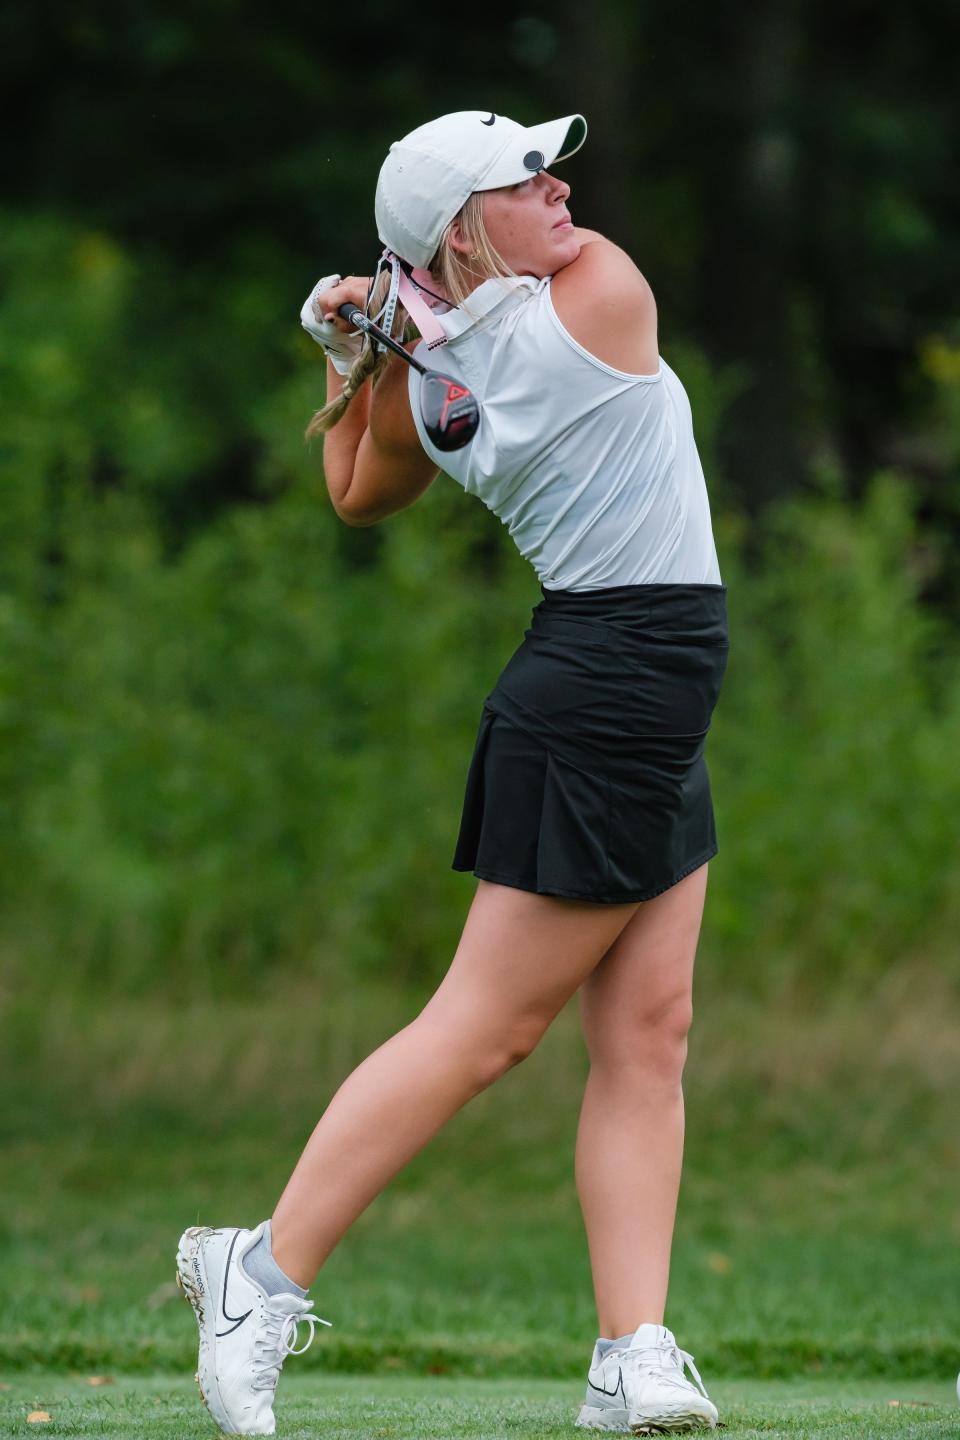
355,317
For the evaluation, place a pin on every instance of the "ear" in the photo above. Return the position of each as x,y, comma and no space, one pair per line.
458,240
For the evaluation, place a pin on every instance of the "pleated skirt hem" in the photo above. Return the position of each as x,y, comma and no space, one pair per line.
521,883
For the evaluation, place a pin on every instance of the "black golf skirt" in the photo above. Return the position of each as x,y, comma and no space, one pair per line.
588,776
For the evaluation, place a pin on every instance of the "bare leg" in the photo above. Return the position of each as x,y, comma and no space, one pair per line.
520,958
636,1011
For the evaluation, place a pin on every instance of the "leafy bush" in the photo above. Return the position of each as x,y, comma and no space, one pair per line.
234,733
831,757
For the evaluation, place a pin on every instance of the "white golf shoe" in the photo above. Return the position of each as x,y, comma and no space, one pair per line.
245,1334
640,1387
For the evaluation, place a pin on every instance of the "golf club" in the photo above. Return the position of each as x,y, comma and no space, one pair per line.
449,409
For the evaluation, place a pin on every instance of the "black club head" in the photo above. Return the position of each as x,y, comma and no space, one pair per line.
450,411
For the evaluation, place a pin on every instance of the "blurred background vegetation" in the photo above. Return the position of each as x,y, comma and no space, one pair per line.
234,732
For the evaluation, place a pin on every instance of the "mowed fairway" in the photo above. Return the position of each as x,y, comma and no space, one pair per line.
337,1407
815,1271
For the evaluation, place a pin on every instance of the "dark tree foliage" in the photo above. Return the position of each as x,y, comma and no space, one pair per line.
782,172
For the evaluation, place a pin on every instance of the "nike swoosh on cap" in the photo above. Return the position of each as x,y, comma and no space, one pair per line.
490,121
235,1321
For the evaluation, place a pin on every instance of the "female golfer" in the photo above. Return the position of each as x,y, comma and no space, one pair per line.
588,817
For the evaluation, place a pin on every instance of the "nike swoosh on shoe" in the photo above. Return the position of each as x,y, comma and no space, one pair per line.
618,1388
234,1321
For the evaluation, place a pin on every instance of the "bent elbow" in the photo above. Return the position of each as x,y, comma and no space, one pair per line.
357,521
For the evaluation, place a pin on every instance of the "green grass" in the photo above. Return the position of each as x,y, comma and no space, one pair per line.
817,1234
155,1407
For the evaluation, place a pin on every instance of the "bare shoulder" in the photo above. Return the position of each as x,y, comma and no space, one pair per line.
606,305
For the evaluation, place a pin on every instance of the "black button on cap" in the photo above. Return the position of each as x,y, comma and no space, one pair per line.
533,160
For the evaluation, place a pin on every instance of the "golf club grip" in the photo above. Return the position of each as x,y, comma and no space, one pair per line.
354,316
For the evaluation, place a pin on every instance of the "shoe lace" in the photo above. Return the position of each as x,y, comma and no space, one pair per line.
648,1359
277,1338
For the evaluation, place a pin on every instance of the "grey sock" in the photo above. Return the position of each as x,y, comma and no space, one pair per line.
261,1266
606,1345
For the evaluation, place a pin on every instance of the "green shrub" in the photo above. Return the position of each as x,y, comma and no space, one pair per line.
234,733
831,755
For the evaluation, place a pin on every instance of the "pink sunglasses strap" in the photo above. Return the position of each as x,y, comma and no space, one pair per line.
416,307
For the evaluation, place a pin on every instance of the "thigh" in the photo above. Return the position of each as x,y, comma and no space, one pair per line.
522,955
647,973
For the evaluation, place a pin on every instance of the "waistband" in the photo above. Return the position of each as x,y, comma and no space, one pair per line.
699,611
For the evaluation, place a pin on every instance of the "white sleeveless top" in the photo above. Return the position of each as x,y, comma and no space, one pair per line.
593,471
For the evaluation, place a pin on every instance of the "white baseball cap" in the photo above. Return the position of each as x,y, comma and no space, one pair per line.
428,175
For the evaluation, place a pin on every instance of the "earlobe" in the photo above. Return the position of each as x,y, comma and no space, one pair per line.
460,244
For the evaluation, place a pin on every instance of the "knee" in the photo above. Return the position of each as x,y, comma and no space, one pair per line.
484,1049
649,1043
511,1046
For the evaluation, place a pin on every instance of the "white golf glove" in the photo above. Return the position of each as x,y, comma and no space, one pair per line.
343,349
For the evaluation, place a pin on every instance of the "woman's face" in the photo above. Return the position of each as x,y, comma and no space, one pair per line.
530,225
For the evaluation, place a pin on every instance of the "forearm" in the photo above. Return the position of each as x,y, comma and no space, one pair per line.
340,444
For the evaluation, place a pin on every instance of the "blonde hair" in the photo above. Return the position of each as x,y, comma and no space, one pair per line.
452,274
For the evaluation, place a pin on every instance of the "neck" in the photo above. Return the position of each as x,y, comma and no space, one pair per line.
467,281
